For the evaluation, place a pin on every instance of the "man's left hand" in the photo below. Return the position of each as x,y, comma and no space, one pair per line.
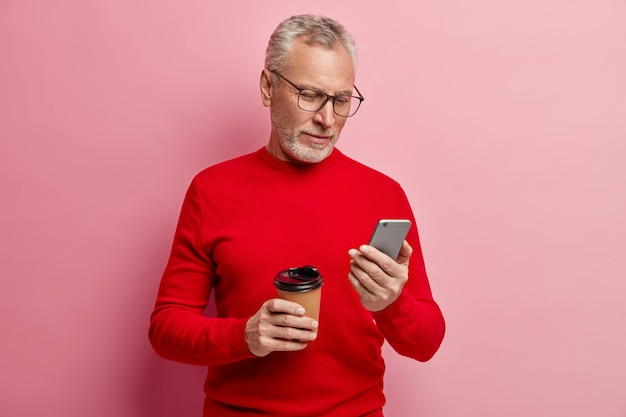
376,277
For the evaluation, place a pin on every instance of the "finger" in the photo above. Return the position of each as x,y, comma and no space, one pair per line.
279,305
285,345
372,260
293,334
367,268
283,320
363,284
405,253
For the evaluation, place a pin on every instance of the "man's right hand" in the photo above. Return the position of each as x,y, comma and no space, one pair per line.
279,325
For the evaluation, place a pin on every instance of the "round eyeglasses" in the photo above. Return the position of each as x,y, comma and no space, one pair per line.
314,100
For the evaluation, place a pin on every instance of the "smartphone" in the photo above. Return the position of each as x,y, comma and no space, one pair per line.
389,234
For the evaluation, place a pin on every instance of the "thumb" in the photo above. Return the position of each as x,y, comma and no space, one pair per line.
405,253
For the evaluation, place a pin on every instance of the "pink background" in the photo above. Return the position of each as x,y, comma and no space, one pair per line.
505,122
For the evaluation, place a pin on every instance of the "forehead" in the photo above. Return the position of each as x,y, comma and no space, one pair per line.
318,66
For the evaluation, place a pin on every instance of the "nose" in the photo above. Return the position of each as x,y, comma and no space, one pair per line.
326,115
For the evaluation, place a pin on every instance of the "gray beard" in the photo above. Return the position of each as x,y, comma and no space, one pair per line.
309,153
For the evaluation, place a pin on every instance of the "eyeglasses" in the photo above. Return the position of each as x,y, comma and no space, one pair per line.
314,100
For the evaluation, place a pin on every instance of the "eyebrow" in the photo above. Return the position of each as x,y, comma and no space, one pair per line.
319,90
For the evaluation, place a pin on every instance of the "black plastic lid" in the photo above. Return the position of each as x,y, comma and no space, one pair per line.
303,279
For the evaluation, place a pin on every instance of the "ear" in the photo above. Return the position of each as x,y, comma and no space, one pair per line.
266,88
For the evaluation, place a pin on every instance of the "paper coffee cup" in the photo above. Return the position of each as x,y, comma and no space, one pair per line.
303,286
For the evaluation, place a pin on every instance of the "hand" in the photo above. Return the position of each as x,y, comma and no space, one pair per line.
376,277
279,325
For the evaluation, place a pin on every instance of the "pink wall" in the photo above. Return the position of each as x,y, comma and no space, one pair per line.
505,121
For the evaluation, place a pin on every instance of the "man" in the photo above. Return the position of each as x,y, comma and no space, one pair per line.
298,201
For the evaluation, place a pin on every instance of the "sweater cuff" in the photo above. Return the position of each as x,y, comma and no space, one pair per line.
396,311
239,347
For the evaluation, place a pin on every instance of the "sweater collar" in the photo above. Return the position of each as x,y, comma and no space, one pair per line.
297,166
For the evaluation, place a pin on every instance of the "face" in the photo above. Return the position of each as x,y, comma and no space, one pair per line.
299,135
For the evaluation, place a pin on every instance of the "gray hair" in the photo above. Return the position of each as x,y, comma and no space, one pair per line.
313,30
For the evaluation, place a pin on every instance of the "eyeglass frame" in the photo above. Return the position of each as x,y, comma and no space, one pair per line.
328,96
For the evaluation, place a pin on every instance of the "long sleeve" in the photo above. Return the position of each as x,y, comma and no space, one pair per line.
413,325
414,328
179,330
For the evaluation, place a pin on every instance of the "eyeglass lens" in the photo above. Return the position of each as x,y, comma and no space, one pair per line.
311,100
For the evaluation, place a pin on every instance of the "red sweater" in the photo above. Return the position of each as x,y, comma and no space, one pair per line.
244,220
